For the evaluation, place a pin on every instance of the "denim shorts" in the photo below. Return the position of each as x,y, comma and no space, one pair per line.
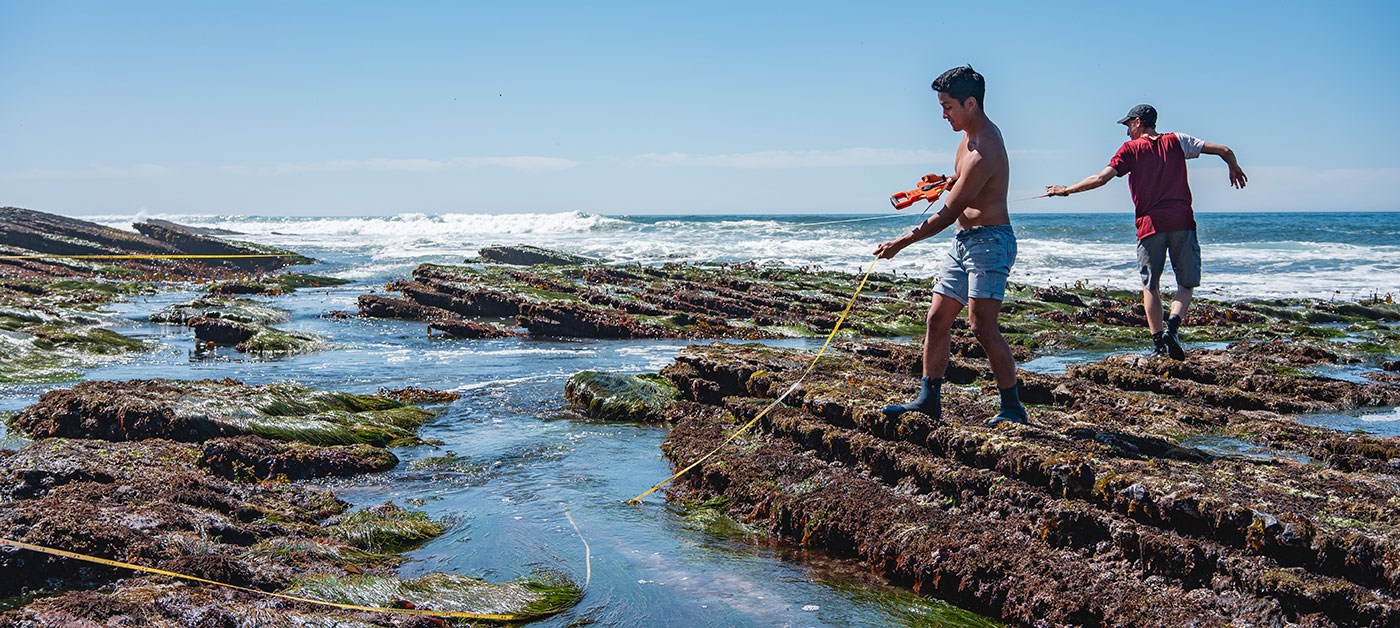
978,264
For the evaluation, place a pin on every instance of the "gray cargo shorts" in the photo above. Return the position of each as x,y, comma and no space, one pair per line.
1185,253
978,264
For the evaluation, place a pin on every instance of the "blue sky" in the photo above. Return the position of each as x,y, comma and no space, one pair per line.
381,108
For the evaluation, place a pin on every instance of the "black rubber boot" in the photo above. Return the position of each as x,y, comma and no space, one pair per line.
1173,339
1011,408
1159,346
928,402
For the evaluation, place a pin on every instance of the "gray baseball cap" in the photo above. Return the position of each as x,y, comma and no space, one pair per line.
1146,113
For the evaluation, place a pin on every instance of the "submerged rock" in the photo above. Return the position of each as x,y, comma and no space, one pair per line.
386,528
620,397
534,596
222,308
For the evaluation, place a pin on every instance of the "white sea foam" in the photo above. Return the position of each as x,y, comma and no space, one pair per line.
1384,417
1050,250
500,382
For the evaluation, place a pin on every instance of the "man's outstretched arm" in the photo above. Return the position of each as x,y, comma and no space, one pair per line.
966,187
1090,182
1237,178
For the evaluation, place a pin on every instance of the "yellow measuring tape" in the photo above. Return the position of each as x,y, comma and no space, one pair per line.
780,398
351,607
145,256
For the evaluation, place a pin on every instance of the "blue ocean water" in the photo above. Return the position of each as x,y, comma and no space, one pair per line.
523,459
1245,255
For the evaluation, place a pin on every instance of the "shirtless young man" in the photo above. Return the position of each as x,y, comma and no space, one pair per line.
974,273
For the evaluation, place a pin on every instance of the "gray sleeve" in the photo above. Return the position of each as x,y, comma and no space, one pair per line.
1190,145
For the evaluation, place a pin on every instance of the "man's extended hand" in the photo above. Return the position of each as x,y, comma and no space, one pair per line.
887,250
1237,178
1056,190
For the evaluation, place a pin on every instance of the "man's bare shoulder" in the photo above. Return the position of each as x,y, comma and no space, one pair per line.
992,146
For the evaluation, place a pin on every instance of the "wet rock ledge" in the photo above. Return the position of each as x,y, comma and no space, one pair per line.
51,326
202,478
747,301
1117,508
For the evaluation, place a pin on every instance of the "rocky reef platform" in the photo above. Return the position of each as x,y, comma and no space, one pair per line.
749,301
1147,491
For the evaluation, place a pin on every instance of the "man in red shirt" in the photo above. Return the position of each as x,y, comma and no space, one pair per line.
1156,167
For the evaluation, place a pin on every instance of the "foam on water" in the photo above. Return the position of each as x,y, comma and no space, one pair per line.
1347,256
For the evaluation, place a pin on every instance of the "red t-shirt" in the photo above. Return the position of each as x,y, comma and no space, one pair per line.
1156,169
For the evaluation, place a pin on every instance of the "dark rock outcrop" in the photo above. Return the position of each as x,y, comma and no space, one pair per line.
251,458
220,331
525,255
463,329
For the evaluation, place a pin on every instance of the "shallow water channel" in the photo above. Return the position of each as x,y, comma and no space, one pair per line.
513,460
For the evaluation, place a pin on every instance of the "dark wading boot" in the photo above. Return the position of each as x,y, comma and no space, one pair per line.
1173,339
1011,408
1159,346
928,402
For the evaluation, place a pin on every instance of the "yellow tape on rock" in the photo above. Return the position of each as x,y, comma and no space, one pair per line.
780,398
352,607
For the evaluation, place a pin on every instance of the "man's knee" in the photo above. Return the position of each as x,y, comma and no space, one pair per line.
942,313
983,319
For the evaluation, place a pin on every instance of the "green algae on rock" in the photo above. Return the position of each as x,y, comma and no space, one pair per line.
50,333
48,321
620,397
386,528
272,285
221,308
532,597
203,409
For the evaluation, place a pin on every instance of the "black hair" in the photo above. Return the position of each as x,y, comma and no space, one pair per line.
962,83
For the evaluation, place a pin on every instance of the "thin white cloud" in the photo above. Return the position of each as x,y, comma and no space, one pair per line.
93,171
845,157
530,164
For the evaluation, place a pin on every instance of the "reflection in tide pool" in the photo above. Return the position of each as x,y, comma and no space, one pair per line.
1382,422
1228,447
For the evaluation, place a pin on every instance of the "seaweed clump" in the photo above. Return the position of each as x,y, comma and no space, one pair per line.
620,397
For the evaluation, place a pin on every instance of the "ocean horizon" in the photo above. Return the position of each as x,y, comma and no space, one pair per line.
1246,255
